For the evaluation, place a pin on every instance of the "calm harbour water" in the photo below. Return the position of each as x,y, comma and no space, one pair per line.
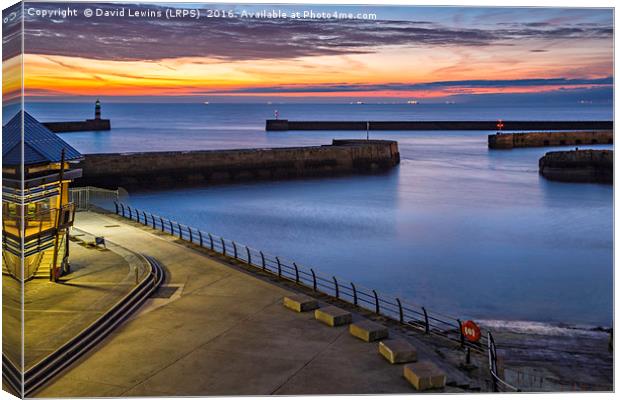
455,227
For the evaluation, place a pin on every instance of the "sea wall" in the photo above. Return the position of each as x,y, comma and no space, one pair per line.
79,126
286,125
578,166
542,139
188,168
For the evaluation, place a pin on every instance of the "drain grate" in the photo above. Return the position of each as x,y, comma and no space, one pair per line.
164,292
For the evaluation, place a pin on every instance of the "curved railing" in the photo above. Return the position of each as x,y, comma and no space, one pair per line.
36,376
407,313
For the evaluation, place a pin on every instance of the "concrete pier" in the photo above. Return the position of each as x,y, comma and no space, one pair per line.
79,126
543,139
578,166
286,125
225,332
187,168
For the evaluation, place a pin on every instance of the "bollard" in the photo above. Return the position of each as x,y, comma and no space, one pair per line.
279,267
296,273
427,328
247,250
400,311
262,257
354,293
336,286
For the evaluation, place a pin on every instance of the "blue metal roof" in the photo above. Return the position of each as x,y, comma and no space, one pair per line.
40,144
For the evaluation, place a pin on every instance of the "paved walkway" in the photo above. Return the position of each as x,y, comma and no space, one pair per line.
55,312
220,332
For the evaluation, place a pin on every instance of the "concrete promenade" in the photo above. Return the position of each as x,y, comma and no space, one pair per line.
54,313
216,330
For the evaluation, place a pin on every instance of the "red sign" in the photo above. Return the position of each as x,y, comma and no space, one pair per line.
471,331
500,124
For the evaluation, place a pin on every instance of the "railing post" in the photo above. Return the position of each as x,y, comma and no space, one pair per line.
116,208
180,231
123,209
461,332
313,279
223,246
376,302
247,250
161,220
262,257
296,272
153,220
191,236
234,249
129,209
144,215
354,293
427,328
171,228
336,286
200,237
211,242
279,267
401,317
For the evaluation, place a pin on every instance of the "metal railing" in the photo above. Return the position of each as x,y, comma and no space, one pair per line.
499,385
84,197
408,314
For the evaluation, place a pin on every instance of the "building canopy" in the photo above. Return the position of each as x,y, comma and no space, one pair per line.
40,144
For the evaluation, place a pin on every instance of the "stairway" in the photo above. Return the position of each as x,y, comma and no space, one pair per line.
45,264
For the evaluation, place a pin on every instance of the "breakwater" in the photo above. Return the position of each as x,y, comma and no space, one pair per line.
286,125
578,166
188,168
79,126
542,139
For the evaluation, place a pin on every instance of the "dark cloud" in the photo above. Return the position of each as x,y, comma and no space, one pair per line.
11,32
144,38
463,84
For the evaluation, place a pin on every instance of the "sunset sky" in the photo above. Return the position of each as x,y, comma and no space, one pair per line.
407,53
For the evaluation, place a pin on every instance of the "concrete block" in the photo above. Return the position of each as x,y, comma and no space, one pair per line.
300,303
333,316
398,351
424,375
368,331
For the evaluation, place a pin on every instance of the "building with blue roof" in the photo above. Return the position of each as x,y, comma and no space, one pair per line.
37,168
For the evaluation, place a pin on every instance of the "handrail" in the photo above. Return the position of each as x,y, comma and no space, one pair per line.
407,313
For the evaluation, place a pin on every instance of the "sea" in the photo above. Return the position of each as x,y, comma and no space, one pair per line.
456,227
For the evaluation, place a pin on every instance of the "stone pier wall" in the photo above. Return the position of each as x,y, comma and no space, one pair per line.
79,126
542,139
188,168
578,166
